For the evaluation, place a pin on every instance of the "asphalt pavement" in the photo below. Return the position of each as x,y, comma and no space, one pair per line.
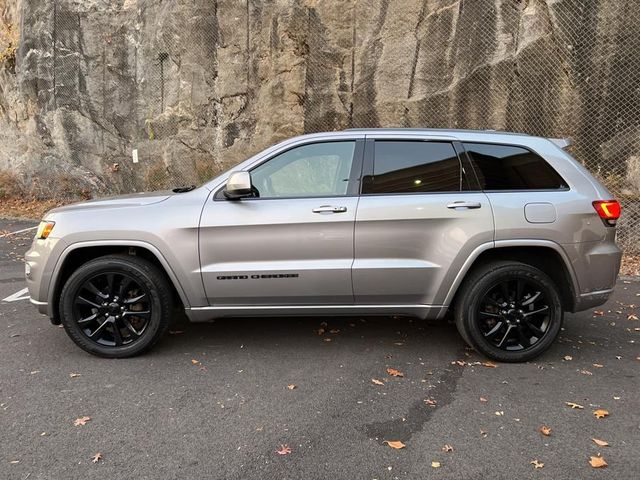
219,400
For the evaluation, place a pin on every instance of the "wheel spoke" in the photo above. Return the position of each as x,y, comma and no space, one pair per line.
110,279
494,331
117,336
533,312
141,314
493,301
130,327
88,319
531,299
489,314
519,289
504,286
93,289
126,281
129,301
87,302
535,330
100,328
524,340
506,335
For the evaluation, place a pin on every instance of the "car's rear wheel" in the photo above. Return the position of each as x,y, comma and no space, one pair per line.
116,306
508,311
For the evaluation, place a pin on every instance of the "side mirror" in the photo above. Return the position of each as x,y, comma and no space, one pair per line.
238,186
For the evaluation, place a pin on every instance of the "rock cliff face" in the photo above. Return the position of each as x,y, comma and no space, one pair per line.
198,85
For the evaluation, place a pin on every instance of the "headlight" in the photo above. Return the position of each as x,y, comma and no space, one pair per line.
44,229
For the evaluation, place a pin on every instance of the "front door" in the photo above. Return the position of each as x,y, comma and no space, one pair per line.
418,220
292,242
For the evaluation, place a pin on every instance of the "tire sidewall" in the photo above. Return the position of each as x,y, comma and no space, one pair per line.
112,265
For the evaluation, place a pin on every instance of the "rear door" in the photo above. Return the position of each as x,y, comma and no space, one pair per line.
419,217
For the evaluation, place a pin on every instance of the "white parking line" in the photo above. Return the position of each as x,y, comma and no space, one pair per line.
19,231
17,296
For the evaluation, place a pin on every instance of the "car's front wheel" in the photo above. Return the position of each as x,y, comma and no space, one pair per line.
508,311
116,306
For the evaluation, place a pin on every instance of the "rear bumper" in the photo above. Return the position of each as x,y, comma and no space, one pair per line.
592,299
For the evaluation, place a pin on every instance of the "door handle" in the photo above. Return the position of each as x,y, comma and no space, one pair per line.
329,209
461,204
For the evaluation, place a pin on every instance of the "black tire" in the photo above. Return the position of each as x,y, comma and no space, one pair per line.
508,311
121,319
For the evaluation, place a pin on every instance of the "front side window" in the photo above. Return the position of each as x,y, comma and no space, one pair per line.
505,167
314,170
413,167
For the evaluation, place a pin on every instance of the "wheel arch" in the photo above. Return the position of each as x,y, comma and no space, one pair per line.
542,254
77,254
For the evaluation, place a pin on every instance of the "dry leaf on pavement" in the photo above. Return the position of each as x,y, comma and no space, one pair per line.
430,401
436,464
600,443
599,313
632,316
568,358
574,405
195,362
489,365
597,462
377,382
536,463
292,386
74,375
483,400
81,421
395,373
284,450
397,444
447,448
544,430
600,413
96,458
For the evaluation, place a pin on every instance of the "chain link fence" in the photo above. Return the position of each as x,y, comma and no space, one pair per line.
154,94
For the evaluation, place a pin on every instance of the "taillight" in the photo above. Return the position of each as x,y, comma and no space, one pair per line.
608,210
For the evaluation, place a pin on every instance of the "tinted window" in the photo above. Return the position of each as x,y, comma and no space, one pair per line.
315,170
503,167
413,167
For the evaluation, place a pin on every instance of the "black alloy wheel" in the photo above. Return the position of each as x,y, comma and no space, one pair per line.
508,311
116,306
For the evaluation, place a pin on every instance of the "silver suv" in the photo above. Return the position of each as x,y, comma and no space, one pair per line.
506,231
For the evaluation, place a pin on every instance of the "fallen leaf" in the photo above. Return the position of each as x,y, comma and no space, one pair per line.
574,405
597,365
74,375
81,421
430,401
436,464
599,313
399,343
600,443
632,316
568,358
544,430
195,362
327,339
600,413
377,382
96,458
14,462
395,373
334,331
585,372
320,331
500,413
483,433
397,444
284,450
292,387
597,462
483,400
536,463
489,365
447,448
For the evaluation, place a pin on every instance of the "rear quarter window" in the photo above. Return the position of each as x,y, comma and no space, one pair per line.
506,167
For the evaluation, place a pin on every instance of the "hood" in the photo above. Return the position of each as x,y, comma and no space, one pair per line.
120,201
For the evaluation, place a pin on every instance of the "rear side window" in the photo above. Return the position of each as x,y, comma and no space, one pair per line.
413,167
504,167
